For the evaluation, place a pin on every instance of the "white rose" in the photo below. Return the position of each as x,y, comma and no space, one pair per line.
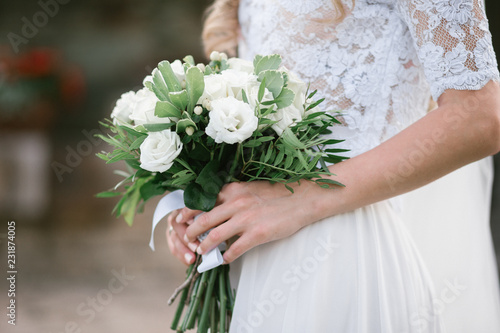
231,121
143,111
123,109
286,117
159,150
241,65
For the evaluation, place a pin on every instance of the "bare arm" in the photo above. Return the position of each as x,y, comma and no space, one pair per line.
464,128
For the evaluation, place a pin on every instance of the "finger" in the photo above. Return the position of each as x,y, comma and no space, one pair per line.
239,247
186,214
220,234
179,249
180,230
209,220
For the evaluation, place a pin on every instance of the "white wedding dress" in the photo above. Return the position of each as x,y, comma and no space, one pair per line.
421,262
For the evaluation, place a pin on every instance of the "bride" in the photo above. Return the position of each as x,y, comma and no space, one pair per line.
405,246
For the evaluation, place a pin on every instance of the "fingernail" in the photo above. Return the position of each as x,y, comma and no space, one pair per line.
188,257
186,238
178,219
192,246
198,250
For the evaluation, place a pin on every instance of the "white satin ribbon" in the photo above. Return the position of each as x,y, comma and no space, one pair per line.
171,202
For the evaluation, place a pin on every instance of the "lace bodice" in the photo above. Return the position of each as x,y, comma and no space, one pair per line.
380,65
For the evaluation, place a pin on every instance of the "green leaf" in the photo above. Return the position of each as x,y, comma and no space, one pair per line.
315,104
189,60
166,109
274,82
120,156
252,143
185,123
195,85
159,82
244,96
262,90
291,140
133,163
209,178
131,130
328,181
158,127
137,143
179,99
170,78
108,194
272,62
197,199
265,138
150,189
279,158
285,98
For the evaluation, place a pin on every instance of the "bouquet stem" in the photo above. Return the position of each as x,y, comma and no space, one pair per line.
208,298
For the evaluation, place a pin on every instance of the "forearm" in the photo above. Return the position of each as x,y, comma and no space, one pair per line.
464,128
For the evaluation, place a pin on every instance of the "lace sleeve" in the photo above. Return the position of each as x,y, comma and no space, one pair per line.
453,43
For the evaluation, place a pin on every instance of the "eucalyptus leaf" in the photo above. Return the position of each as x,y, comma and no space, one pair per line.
185,123
179,99
169,76
167,110
189,60
285,98
274,82
195,85
267,62
159,83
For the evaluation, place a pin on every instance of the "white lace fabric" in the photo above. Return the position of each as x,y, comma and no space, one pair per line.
379,65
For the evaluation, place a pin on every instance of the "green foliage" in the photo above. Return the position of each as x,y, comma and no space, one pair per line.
202,168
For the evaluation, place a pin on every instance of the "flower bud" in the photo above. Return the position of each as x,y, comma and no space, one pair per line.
222,56
198,110
183,84
201,67
207,104
190,130
215,56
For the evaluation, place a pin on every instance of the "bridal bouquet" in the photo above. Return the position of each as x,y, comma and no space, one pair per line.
196,127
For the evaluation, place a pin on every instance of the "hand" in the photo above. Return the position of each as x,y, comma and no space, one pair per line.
184,251
257,212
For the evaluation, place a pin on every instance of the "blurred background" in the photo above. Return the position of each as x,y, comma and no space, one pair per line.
79,268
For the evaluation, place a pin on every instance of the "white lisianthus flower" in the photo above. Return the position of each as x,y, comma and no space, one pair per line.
236,81
178,70
143,111
123,109
215,88
229,83
241,65
252,91
286,117
159,150
298,86
231,121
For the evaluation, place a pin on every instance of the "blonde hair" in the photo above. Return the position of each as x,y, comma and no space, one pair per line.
221,28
